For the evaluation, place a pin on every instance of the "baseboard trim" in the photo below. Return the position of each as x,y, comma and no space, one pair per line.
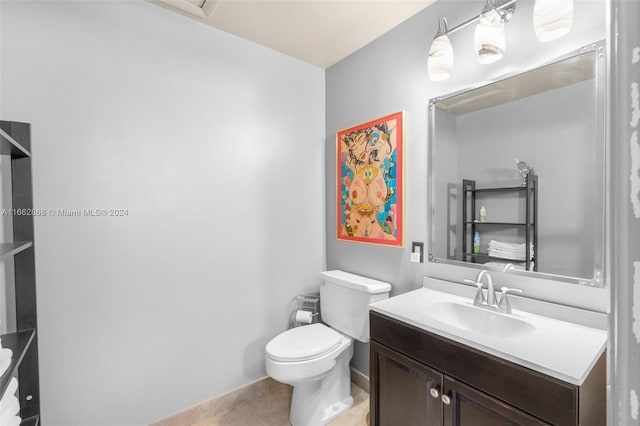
222,403
227,401
360,379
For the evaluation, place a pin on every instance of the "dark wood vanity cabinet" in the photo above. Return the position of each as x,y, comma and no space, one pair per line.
468,406
405,395
419,378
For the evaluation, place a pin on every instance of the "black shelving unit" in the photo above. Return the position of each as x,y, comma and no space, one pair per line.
15,141
530,224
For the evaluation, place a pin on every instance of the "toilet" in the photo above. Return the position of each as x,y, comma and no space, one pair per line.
314,358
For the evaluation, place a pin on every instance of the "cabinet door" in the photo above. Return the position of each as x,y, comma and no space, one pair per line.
465,406
403,392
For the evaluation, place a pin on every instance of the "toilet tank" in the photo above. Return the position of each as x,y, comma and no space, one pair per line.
345,299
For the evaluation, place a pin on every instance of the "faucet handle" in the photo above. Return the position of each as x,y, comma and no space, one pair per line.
504,304
480,298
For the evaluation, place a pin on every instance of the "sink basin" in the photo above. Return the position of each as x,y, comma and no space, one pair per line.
561,349
478,320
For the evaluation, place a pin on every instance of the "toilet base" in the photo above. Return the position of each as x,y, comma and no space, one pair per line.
317,402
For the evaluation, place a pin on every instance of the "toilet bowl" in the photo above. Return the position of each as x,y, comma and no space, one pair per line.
314,358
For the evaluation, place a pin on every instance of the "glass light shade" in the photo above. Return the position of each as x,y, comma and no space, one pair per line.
490,37
552,18
440,61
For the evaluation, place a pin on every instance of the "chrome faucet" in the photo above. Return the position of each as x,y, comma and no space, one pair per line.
504,306
490,301
491,292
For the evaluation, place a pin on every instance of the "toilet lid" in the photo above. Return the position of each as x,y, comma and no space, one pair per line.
303,343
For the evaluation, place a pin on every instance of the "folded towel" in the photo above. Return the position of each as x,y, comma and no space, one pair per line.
13,421
511,251
8,409
5,360
515,252
12,388
508,246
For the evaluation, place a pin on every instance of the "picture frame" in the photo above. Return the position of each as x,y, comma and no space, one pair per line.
370,182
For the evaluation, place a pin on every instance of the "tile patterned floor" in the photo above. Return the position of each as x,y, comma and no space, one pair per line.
272,409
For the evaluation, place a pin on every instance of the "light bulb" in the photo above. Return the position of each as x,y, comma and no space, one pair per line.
440,61
552,18
490,37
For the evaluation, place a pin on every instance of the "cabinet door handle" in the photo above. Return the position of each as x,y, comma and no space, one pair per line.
434,392
446,399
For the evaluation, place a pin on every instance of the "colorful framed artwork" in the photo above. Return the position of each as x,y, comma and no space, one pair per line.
370,175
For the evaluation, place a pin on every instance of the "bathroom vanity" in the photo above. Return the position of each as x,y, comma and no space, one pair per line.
426,372
448,354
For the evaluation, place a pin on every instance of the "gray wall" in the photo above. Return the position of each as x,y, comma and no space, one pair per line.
215,145
390,74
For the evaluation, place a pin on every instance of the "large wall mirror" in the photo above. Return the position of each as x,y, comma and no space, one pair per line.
517,172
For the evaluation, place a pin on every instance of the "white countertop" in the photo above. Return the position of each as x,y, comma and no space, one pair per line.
560,349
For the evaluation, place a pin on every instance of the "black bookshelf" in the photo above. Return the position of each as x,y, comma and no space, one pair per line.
15,141
471,224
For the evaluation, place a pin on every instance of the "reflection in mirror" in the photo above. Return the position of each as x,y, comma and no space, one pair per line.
517,172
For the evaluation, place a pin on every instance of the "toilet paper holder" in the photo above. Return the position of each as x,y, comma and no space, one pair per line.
306,303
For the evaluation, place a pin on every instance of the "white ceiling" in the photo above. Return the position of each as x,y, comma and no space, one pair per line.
320,32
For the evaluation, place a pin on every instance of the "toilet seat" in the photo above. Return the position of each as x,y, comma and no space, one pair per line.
303,343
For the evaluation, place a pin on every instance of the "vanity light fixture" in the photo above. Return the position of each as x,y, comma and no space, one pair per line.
552,18
490,37
441,54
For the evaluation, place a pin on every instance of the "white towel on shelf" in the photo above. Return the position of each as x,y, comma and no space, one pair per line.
9,409
506,245
499,245
13,421
12,388
5,359
507,255
512,251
